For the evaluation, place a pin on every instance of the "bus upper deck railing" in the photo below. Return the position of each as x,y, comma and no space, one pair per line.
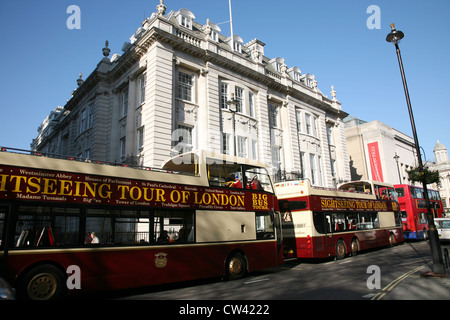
79,159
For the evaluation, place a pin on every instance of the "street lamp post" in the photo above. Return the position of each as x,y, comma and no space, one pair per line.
396,157
438,265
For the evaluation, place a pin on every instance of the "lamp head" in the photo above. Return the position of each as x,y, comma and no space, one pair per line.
394,36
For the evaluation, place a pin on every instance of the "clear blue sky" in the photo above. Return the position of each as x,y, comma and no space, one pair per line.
41,58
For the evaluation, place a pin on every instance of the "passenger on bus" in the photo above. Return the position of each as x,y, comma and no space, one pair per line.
256,185
164,237
233,182
94,238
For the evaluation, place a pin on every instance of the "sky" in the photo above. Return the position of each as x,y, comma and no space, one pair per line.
341,42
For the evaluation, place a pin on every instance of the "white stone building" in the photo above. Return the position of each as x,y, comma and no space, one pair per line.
442,164
379,152
180,85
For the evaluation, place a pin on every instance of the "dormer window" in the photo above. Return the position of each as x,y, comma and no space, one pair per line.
236,43
295,74
186,22
215,36
185,18
277,64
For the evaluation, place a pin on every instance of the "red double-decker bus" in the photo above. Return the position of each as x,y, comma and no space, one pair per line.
413,207
69,226
321,223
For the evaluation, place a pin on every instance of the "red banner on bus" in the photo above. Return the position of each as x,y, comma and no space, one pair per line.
39,185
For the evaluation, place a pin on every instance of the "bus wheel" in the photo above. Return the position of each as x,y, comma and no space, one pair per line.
236,266
45,282
340,249
355,247
391,240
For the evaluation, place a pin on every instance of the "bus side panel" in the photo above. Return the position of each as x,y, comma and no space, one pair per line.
119,268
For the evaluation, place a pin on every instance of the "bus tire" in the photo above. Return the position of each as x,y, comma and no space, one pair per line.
355,247
236,266
341,250
44,282
391,240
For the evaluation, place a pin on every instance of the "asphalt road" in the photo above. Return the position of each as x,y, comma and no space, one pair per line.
354,278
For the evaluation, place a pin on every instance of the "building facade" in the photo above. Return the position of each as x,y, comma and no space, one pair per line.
379,152
179,86
442,164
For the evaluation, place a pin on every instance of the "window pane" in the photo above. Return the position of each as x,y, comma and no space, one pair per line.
46,227
185,82
171,227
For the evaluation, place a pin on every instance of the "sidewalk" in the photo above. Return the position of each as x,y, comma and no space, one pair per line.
415,286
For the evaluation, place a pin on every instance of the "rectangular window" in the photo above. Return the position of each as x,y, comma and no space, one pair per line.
239,94
223,95
124,103
171,226
46,227
140,139
184,143
3,213
273,115
185,84
254,150
330,134
312,163
122,146
90,116
226,144
82,123
242,146
308,123
142,85
303,164
251,104
118,227
264,225
315,128
298,117
276,157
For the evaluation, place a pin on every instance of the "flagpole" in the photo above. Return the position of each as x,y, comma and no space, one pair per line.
231,22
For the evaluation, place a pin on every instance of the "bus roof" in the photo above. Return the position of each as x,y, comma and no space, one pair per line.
362,185
189,168
299,188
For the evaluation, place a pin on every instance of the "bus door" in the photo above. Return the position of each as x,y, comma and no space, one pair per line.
279,233
330,220
3,248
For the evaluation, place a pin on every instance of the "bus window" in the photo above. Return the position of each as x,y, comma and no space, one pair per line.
219,173
131,227
2,224
172,226
239,176
400,192
319,222
98,221
46,226
265,225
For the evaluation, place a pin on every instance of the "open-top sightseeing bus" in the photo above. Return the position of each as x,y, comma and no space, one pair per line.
320,222
413,207
70,226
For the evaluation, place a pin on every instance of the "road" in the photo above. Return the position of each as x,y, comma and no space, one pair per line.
354,278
